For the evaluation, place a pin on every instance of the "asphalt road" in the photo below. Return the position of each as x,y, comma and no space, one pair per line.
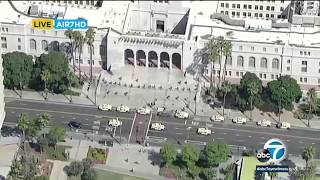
250,136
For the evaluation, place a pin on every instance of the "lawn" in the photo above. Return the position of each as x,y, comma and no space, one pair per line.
249,167
57,154
104,175
98,155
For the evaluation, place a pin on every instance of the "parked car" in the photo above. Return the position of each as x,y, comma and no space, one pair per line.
284,125
157,126
123,108
105,107
144,111
160,110
239,120
181,114
115,122
264,123
75,125
204,131
218,118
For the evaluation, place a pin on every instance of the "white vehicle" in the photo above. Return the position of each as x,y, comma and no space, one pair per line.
115,122
105,107
144,111
181,114
284,125
239,120
157,126
217,118
160,109
204,131
264,123
123,108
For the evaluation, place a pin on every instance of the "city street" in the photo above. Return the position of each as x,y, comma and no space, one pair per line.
176,130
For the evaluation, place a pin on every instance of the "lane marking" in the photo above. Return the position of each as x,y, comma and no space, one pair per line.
134,119
62,112
219,138
237,135
254,132
179,133
147,128
249,136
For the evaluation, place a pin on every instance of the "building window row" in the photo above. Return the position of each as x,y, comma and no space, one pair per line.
305,53
263,62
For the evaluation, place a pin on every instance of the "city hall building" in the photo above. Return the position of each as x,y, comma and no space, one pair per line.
277,38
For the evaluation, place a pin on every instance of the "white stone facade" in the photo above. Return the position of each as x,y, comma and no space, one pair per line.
265,9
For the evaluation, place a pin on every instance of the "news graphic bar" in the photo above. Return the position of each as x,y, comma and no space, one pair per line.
272,168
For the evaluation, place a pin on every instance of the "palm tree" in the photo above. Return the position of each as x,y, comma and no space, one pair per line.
308,154
80,40
45,76
227,49
43,120
220,44
253,90
213,54
15,169
70,34
225,88
312,98
90,34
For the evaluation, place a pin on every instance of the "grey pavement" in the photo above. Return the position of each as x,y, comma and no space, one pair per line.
115,90
248,135
8,149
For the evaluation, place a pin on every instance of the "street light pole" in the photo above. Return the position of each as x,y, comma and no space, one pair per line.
120,132
20,84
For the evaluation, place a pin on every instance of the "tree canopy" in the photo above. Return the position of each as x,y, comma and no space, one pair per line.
168,153
284,90
55,64
190,154
17,67
214,154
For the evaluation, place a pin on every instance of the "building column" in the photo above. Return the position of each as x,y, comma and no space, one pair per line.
159,62
134,59
147,60
170,61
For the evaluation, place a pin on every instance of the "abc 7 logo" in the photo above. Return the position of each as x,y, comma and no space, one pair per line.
263,155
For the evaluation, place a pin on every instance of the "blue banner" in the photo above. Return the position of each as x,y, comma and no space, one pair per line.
71,24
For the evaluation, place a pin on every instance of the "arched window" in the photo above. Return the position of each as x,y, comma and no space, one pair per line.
240,61
33,44
252,62
44,45
275,63
264,63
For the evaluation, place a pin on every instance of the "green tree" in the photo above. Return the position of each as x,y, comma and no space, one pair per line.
51,70
168,153
208,174
190,155
28,126
253,89
30,167
45,77
56,135
225,88
220,46
283,92
89,174
70,34
214,154
213,55
17,69
43,120
304,173
87,163
229,171
43,143
308,154
194,171
312,100
80,40
15,170
74,169
90,34
226,49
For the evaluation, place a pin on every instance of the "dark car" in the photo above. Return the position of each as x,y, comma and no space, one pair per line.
74,124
